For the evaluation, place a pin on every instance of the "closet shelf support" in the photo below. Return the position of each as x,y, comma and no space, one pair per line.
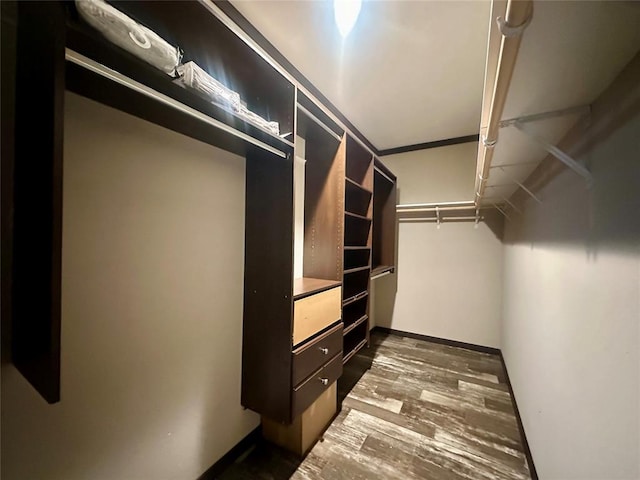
556,152
521,185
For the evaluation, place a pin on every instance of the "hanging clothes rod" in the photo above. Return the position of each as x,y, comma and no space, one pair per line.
517,18
442,219
469,203
319,122
110,74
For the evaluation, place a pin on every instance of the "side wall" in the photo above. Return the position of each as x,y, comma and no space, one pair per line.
153,254
571,333
448,281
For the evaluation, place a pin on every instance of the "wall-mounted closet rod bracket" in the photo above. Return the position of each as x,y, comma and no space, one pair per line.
559,154
518,164
521,185
512,205
502,211
581,110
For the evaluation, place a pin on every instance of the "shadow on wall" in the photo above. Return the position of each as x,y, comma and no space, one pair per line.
604,216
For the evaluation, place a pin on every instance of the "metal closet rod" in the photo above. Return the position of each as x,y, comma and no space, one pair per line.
110,74
441,219
518,16
319,122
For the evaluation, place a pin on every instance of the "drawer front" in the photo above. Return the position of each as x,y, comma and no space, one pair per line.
316,384
313,313
309,358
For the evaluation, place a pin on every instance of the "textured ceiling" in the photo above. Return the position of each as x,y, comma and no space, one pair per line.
409,72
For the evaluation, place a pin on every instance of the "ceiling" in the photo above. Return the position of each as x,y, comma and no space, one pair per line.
409,72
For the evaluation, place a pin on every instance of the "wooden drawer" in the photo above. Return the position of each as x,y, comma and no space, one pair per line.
310,357
307,393
312,314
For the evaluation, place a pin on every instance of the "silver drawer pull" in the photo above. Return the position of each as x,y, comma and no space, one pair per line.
324,381
324,350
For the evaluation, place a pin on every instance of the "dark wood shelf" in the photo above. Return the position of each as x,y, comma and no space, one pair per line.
359,166
347,329
355,298
356,247
355,215
357,200
305,286
357,185
355,350
357,269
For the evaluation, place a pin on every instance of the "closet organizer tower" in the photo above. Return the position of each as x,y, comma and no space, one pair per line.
316,228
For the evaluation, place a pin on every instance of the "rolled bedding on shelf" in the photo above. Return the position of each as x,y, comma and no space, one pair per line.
192,76
126,33
273,127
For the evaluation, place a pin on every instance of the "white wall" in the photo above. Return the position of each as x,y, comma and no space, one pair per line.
448,280
571,333
153,249
444,174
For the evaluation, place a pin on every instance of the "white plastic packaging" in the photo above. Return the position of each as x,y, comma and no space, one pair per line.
126,33
273,127
195,77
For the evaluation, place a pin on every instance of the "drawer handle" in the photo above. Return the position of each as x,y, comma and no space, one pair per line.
324,350
324,381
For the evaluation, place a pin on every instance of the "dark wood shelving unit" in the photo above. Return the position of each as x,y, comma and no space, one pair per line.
56,51
349,200
358,243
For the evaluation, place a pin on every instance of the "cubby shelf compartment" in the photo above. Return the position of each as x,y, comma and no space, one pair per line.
354,341
356,230
356,259
357,199
354,312
354,298
355,283
359,164
355,324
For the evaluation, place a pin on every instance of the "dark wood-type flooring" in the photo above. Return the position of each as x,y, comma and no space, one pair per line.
422,411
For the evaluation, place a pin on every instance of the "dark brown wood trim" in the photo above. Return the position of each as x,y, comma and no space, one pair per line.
268,47
424,146
442,341
218,468
523,436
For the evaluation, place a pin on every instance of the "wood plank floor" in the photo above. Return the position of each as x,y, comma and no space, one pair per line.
422,411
